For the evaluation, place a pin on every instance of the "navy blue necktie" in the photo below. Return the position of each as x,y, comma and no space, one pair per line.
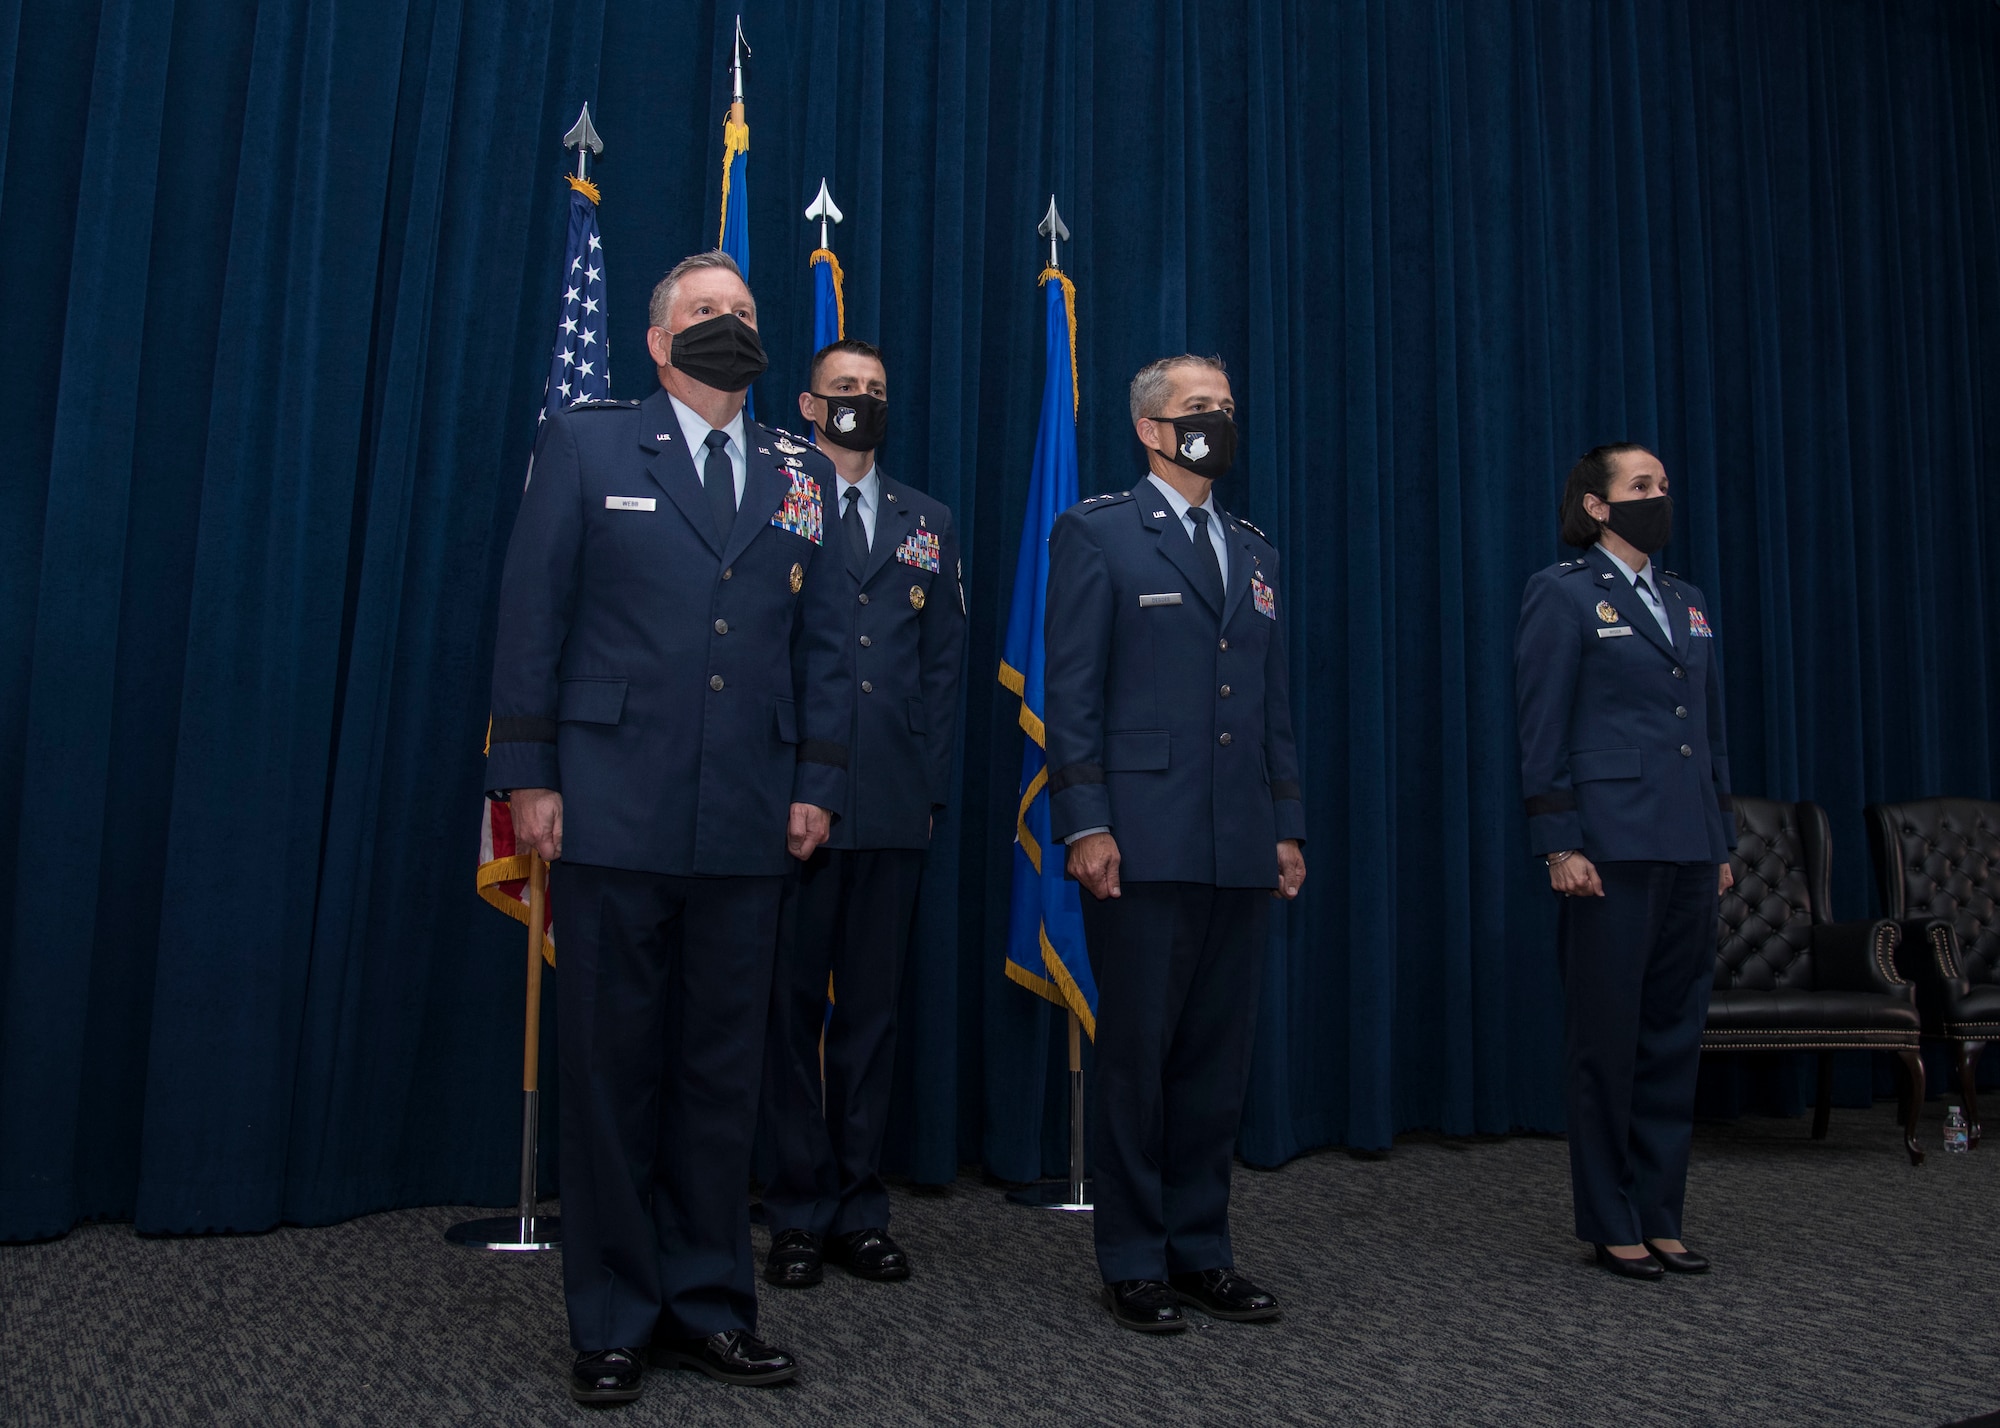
1205,553
718,474
856,532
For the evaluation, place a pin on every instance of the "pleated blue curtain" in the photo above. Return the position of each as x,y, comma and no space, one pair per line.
275,284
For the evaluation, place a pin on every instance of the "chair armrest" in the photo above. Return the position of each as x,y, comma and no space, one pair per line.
1858,957
1928,956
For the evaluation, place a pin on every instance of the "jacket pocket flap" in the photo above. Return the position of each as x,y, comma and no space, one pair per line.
1589,764
788,722
917,724
1135,750
590,701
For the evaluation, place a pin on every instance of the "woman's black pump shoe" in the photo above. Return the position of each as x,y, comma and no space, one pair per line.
1644,1267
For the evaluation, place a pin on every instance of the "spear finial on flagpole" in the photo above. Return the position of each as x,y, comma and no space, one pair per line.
1052,227
741,49
825,210
584,139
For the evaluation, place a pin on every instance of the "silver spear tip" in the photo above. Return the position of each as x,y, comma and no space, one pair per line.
582,135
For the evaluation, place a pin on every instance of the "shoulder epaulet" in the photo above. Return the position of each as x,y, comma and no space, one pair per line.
604,405
1103,502
1253,529
1571,567
1673,574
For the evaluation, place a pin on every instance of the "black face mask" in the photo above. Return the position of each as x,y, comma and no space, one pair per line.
722,353
1205,442
856,421
1644,524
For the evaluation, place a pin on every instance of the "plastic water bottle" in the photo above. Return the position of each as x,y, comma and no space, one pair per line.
1955,1135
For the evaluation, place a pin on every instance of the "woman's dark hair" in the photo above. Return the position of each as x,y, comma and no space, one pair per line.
1591,476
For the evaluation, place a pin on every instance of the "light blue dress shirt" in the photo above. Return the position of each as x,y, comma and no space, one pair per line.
1181,506
869,503
1648,589
695,428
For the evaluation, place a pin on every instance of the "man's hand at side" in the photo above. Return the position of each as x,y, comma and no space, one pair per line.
538,820
1093,861
1291,869
810,826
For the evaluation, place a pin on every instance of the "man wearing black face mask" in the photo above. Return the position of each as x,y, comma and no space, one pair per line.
1174,781
1626,781
848,915
671,701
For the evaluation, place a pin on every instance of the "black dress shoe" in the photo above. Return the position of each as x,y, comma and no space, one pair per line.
606,1376
1686,1262
1224,1294
733,1356
869,1254
1644,1267
1146,1305
794,1260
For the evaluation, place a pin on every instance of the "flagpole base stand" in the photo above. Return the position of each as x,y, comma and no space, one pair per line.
508,1232
1052,1195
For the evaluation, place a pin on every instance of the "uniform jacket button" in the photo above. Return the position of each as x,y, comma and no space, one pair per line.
715,681
1225,738
1680,711
864,597
1678,673
1686,752
1225,691
867,687
866,642
722,627
729,572
1225,644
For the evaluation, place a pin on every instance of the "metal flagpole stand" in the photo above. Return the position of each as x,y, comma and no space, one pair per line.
1056,1194
523,1230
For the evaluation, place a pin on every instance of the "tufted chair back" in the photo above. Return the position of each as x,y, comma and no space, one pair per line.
1940,857
1765,941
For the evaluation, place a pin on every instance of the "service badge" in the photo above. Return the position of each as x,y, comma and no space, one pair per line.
916,597
1606,613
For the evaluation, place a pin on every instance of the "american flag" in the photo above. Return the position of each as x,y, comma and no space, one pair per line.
579,371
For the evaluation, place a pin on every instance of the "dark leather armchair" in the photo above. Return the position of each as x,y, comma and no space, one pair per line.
1938,862
1789,978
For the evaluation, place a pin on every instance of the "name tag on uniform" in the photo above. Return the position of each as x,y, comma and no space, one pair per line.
630,503
1148,601
1614,632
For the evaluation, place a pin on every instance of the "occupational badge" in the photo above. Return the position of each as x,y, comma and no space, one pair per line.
1606,613
920,548
800,513
1698,625
798,576
1265,597
916,597
790,447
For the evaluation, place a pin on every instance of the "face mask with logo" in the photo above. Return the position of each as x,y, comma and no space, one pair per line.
855,420
1204,442
1644,524
723,352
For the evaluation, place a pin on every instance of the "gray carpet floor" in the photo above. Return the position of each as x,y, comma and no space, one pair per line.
1436,1285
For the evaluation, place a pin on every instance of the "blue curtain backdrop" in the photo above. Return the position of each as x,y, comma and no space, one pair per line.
276,284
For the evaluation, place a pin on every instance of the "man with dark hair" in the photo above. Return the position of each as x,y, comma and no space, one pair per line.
1174,781
848,915
670,710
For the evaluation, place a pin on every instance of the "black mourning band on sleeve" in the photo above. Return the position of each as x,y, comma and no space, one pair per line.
524,729
1542,803
1724,802
1283,790
823,751
1074,774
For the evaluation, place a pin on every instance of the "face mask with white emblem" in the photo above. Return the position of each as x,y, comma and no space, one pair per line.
856,420
1204,442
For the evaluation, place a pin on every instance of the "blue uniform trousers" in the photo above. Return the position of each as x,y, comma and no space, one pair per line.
847,915
1637,965
664,984
1177,966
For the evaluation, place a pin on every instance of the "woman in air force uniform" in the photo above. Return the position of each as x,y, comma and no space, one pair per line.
1626,785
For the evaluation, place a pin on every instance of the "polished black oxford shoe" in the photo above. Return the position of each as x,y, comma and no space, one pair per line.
1224,1294
794,1260
733,1356
869,1254
606,1376
1644,1267
1146,1305
1686,1262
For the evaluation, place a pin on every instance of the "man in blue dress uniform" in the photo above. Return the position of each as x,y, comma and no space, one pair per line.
1174,782
1625,775
670,701
848,916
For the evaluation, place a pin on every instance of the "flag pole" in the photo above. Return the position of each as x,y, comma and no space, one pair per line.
524,1230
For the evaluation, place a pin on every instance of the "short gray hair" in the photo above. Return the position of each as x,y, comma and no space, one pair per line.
1149,388
662,303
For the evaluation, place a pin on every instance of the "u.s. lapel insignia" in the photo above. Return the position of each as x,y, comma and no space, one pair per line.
798,576
790,447
1606,613
916,597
